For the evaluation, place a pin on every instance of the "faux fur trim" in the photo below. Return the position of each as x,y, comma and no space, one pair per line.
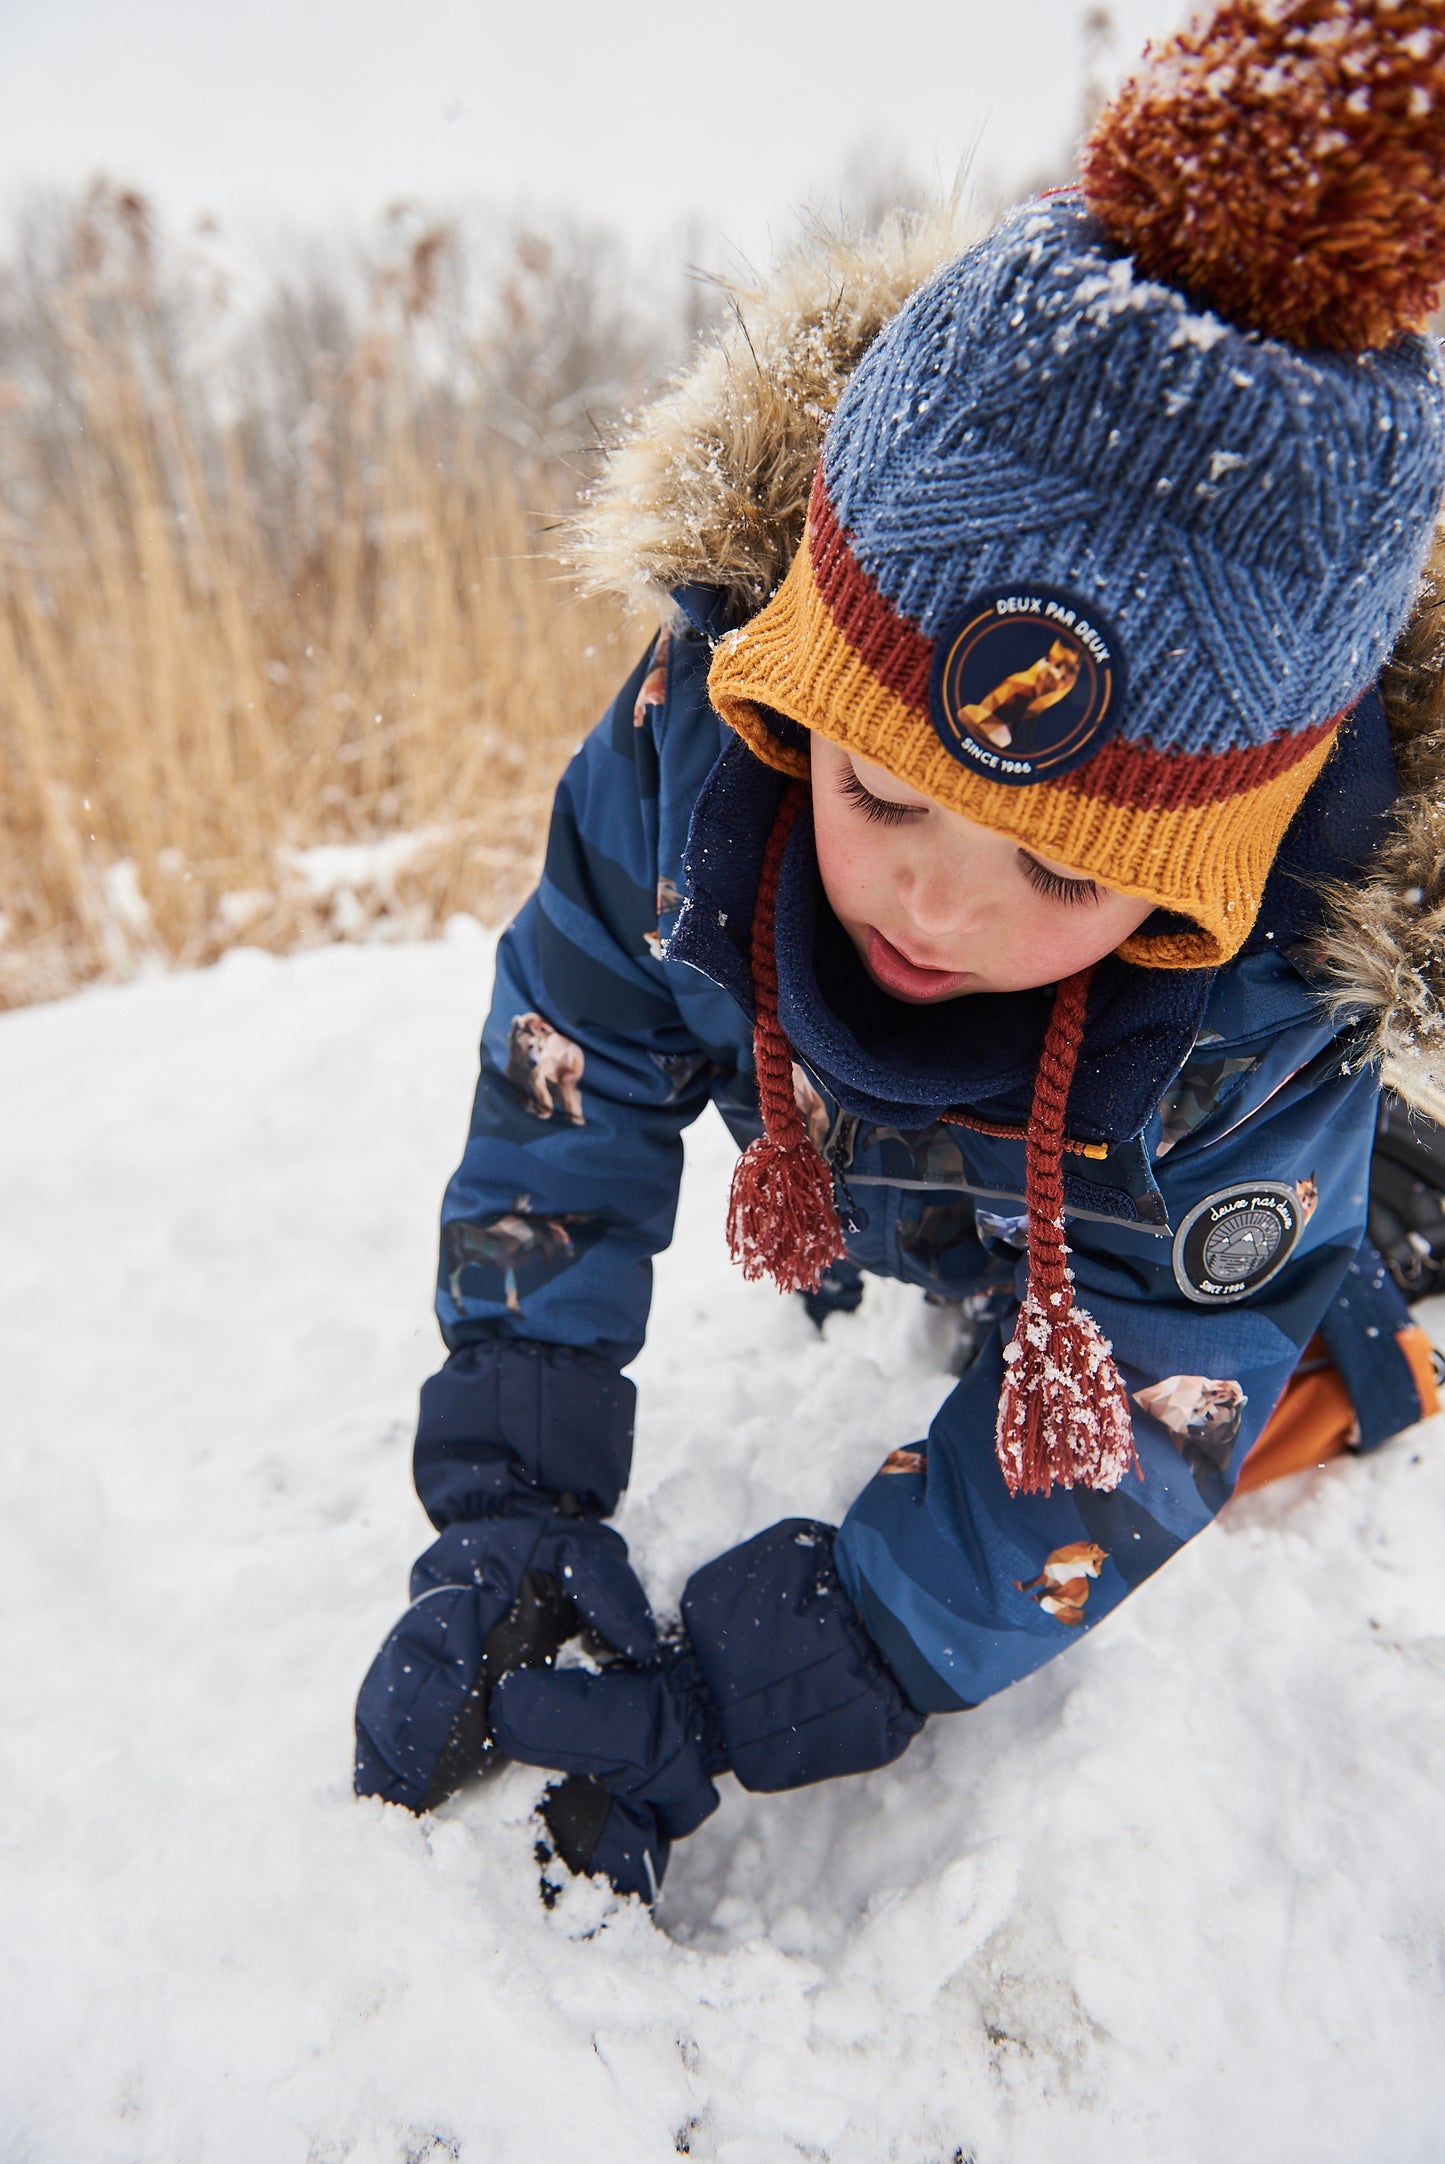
1384,953
710,484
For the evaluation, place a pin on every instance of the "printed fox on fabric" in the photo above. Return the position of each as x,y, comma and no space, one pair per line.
1002,718
546,1067
1061,1588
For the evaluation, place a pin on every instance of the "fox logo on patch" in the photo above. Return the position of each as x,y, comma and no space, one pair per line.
1004,718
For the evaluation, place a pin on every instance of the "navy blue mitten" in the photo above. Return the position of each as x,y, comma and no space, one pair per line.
492,1594
802,1693
773,1676
639,1747
520,1449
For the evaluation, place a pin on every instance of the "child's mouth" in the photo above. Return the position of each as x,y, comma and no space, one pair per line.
891,968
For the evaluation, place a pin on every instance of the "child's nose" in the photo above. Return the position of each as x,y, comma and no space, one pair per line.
937,900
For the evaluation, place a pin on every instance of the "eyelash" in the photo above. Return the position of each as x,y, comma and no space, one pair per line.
875,807
1054,885
1071,892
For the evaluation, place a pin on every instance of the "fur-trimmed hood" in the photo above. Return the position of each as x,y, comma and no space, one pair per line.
1384,950
709,487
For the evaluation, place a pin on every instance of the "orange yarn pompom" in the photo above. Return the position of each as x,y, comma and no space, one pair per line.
1284,163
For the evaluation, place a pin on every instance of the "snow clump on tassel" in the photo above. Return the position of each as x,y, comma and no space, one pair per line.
1063,1413
1063,1418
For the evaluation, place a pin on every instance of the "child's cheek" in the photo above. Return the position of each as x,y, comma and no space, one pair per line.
1043,950
1027,945
1055,942
844,860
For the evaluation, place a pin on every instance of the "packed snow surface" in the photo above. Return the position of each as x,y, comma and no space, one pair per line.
1177,1897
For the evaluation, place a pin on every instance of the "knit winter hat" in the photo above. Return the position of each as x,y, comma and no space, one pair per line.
1126,507
1103,569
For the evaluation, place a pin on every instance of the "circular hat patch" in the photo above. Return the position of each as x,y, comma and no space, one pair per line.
1027,683
1235,1240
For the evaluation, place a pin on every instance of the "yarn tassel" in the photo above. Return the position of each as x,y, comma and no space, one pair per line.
782,1220
1063,1417
1063,1413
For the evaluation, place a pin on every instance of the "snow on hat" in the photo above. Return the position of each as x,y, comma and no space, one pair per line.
1112,526
1125,509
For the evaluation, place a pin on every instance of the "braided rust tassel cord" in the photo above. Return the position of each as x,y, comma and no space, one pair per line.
1063,1415
782,1222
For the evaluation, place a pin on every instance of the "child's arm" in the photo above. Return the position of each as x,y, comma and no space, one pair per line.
567,1188
590,1069
964,1589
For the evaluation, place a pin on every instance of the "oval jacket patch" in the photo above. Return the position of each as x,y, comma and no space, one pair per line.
1235,1240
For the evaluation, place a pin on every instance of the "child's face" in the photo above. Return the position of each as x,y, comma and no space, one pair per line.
936,906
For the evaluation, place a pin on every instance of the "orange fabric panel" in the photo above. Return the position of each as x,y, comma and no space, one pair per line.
1314,1420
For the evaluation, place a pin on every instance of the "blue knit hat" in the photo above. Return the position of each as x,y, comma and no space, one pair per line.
1098,566
1113,524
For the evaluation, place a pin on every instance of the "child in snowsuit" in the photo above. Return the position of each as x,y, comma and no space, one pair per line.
1028,862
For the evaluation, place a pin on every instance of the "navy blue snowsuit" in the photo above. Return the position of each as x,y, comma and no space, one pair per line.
1215,1223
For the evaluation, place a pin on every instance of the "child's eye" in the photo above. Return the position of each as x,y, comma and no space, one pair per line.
876,807
1054,884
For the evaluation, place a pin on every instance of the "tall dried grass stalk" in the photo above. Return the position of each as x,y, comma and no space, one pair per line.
211,734
183,720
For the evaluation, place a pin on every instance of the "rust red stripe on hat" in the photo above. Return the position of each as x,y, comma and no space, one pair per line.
899,656
1121,772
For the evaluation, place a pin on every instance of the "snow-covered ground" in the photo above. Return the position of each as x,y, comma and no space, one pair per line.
1178,1897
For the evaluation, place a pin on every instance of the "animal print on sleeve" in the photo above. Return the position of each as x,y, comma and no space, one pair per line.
1201,1414
654,684
516,1251
546,1067
1061,1588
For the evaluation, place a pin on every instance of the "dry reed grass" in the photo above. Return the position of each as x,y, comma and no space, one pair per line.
214,729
